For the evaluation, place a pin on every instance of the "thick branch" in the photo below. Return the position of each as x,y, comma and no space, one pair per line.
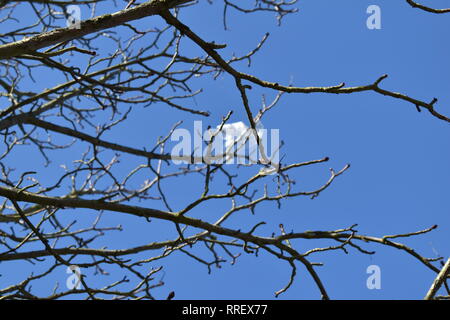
103,22
440,279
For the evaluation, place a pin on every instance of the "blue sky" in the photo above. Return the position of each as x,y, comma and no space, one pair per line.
399,180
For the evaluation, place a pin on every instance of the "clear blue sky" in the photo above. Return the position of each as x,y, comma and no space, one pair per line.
399,180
